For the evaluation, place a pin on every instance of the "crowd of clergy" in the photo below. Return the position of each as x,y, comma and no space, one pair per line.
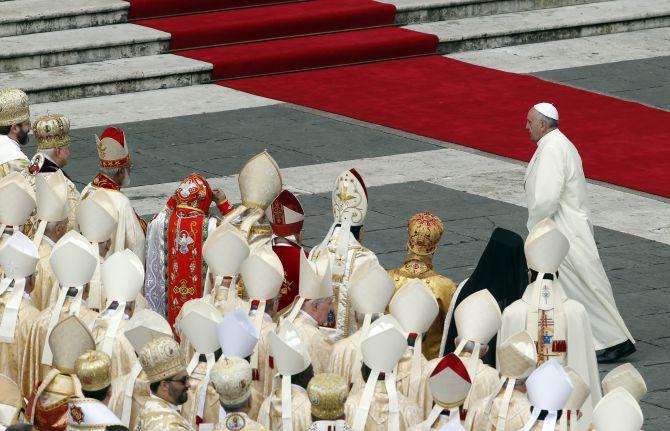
215,316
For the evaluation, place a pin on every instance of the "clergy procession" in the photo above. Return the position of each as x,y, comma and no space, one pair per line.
214,315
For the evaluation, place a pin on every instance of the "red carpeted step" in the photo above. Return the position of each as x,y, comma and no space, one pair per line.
154,8
298,53
284,20
620,142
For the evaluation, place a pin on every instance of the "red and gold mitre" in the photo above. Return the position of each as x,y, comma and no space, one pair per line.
285,214
113,148
350,198
194,192
424,231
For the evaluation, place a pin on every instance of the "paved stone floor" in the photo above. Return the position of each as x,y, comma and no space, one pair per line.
217,144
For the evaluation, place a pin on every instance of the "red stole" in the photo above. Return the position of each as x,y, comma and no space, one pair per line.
289,255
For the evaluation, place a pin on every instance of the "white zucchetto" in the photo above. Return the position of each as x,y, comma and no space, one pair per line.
547,109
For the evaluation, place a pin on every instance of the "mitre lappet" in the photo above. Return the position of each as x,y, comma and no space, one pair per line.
18,258
97,219
15,188
316,282
548,375
617,410
73,263
449,385
11,402
415,308
381,350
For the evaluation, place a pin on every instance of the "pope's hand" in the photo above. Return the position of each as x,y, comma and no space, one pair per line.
219,196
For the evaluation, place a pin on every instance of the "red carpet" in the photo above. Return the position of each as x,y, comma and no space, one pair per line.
620,142
267,22
314,51
153,8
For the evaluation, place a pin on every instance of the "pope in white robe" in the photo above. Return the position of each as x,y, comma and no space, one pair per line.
556,188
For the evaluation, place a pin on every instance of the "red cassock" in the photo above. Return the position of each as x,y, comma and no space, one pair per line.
186,233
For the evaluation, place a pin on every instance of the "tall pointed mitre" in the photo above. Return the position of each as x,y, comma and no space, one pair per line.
88,414
449,385
11,401
198,321
516,359
478,319
546,247
113,148
285,214
18,259
316,282
224,251
381,350
548,375
263,275
52,201
122,277
16,189
617,410
97,216
237,334
69,339
290,357
627,377
415,307
370,289
14,107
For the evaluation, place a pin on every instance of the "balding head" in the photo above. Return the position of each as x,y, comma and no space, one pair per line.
539,124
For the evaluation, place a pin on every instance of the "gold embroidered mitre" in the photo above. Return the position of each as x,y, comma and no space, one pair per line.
259,181
231,377
424,231
69,339
160,358
94,370
327,393
13,106
52,131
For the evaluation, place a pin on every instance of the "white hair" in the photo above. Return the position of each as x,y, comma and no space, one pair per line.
313,302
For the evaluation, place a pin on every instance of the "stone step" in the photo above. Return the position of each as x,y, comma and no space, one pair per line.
420,11
82,45
37,16
568,22
103,78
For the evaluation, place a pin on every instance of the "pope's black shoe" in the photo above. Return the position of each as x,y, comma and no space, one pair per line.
614,353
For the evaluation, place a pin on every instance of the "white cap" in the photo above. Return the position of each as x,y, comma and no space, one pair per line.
122,276
198,321
517,356
384,345
144,326
627,377
97,216
316,281
90,414
546,247
263,274
449,382
288,351
547,109
370,288
16,189
18,256
580,390
617,411
548,375
51,192
72,260
478,317
237,334
414,306
225,250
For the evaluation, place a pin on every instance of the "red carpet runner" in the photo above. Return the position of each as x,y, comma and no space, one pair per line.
154,8
620,142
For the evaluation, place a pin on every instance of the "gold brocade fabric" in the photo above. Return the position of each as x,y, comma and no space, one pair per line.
424,399
318,344
518,414
16,165
158,415
378,415
189,409
343,358
441,421
11,353
123,355
485,382
269,414
237,422
46,287
256,401
32,370
264,384
140,393
443,289
73,198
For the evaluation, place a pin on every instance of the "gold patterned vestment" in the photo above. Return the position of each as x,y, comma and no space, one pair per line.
189,409
270,415
441,421
16,165
318,344
33,370
265,373
123,355
518,414
379,409
12,353
159,415
443,289
140,394
423,399
238,421
343,358
345,321
45,292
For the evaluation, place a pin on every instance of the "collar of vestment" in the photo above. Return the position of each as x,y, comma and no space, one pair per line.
309,318
416,265
51,166
104,182
10,150
555,289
